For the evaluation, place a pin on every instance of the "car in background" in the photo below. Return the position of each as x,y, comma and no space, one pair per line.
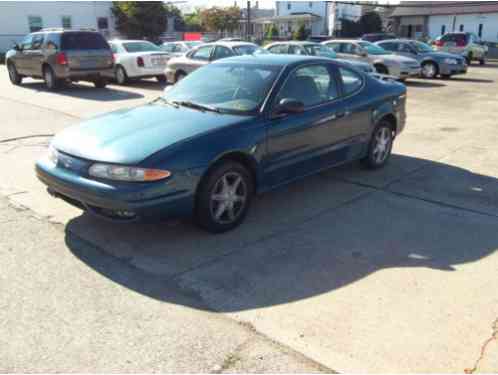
60,55
179,67
375,37
468,45
314,49
230,130
175,49
384,62
433,63
136,59
232,39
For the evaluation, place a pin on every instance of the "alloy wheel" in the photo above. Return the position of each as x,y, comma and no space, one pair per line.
382,146
228,198
429,70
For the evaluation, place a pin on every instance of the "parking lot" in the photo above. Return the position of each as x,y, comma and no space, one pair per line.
351,270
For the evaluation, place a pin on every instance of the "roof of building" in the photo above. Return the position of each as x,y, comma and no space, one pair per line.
432,8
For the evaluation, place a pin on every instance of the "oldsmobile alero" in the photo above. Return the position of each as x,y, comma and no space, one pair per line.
234,128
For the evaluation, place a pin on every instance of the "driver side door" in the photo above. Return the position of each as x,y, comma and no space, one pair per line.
22,56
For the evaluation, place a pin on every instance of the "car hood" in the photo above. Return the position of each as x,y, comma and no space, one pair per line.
129,136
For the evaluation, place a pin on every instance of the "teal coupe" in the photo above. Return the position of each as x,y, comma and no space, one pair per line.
229,130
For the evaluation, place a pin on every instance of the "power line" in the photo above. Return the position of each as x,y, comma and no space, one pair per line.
420,4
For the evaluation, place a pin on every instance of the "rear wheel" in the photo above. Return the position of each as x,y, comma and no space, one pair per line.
429,70
224,197
121,76
14,76
100,83
50,79
161,79
379,150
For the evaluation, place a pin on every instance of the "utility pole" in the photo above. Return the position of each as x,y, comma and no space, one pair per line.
248,25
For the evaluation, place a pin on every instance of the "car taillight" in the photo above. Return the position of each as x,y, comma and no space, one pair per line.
140,62
61,59
439,43
460,43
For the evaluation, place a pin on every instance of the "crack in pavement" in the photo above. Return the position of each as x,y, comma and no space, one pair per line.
494,336
40,107
14,139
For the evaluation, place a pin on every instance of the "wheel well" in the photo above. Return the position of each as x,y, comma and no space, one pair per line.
45,66
178,72
381,66
238,157
391,119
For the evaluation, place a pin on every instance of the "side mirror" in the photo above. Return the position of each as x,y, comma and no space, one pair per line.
288,106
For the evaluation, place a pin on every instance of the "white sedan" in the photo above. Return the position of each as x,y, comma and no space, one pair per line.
138,59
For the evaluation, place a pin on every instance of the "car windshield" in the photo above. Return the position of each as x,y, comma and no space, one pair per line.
140,47
320,50
83,41
421,47
229,87
372,49
248,49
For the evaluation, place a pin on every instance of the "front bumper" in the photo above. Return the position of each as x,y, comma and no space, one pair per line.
119,201
453,69
84,74
409,72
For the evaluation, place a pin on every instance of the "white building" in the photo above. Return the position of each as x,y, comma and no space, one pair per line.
20,18
434,18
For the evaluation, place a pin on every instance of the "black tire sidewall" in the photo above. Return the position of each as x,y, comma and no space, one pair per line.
203,198
435,69
16,80
125,76
100,83
49,70
369,160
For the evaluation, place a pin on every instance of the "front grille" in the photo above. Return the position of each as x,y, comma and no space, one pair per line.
73,163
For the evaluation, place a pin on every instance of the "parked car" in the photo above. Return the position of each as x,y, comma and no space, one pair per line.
384,61
179,67
468,45
375,37
136,59
237,127
60,55
176,49
314,49
232,39
433,63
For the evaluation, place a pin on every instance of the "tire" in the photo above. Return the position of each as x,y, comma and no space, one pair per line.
445,76
218,208
468,58
179,76
51,81
100,83
121,76
429,70
482,61
14,76
161,79
374,160
381,69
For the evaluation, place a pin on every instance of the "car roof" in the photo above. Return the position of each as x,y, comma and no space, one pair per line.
398,40
344,40
295,42
229,44
276,60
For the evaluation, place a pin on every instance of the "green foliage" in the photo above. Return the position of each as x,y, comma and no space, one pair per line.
301,33
193,22
272,33
140,19
220,19
173,11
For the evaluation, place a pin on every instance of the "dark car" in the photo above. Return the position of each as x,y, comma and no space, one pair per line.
375,37
237,127
433,63
58,55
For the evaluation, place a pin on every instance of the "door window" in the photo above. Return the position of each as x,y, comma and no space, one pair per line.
37,41
311,85
279,48
351,81
390,46
296,50
26,43
53,41
404,47
221,52
335,46
350,48
203,53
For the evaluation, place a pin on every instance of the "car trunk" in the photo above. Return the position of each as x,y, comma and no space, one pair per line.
152,59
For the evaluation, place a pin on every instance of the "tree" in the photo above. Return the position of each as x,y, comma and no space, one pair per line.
220,19
302,33
172,12
370,23
193,21
272,32
140,19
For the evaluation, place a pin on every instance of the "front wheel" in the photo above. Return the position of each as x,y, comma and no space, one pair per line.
380,147
15,77
121,76
224,197
429,70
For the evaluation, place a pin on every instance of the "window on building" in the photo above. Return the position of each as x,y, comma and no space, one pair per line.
35,23
102,23
443,29
289,6
311,4
66,22
481,27
461,27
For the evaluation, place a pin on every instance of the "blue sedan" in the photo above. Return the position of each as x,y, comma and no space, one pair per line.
234,128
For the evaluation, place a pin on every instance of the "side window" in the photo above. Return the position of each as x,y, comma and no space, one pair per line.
279,48
335,46
351,81
311,85
393,47
52,41
26,42
404,47
203,53
296,50
37,41
350,48
168,47
221,52
114,48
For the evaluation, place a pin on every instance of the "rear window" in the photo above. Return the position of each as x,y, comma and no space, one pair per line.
140,47
457,38
83,41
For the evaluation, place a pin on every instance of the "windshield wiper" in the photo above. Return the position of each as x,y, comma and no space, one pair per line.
165,101
202,107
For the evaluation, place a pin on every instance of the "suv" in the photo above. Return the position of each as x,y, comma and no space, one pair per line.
58,55
467,45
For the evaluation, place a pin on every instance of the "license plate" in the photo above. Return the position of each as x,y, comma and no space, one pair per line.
158,61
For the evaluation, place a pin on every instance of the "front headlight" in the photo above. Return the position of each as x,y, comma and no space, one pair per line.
125,173
53,155
450,61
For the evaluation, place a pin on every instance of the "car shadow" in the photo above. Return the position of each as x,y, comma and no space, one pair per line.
147,84
300,241
472,80
86,91
424,84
